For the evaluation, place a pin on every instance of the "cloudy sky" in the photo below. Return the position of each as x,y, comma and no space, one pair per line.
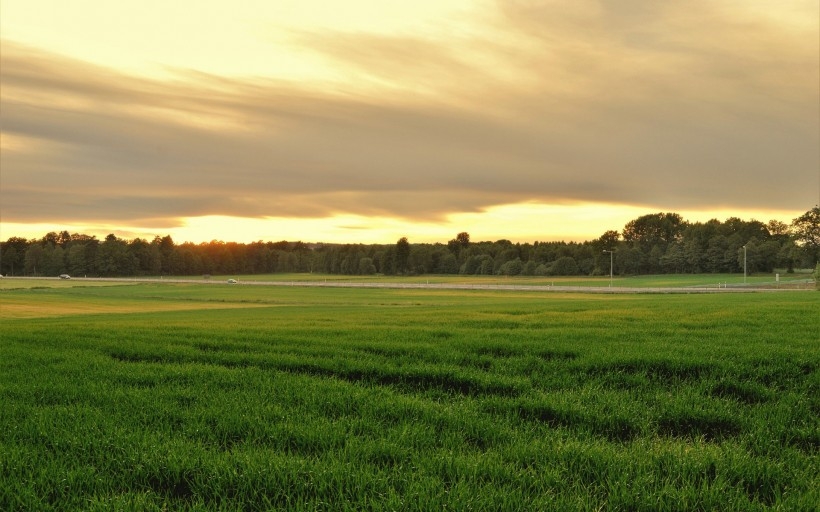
365,121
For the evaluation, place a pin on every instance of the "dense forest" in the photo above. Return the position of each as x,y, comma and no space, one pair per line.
651,244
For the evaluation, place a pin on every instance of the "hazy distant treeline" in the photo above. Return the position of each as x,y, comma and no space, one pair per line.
650,244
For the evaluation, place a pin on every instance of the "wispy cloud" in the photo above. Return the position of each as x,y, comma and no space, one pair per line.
668,105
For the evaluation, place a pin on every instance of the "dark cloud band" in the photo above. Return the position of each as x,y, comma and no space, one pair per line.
654,108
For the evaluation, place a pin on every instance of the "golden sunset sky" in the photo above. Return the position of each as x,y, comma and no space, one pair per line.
366,121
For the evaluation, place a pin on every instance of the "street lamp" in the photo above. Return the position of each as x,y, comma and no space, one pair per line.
610,266
744,264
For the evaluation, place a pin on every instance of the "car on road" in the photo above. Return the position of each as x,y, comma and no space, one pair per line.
231,281
65,276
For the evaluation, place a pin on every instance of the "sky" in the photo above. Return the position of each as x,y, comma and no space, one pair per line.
367,121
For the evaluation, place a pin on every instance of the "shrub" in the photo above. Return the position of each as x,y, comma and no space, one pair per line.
542,270
564,266
512,268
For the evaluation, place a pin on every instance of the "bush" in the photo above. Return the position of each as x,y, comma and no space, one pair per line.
542,270
512,268
529,268
366,267
564,266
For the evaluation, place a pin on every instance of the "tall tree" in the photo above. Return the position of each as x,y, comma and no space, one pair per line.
609,240
113,257
653,229
806,230
34,259
76,259
459,245
777,228
13,255
166,251
715,254
402,255
54,263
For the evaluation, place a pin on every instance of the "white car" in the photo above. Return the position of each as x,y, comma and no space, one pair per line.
65,276
231,281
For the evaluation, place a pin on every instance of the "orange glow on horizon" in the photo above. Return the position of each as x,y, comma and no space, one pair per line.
525,223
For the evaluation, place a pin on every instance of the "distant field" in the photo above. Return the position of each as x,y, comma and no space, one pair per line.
15,283
799,280
781,280
665,280
155,396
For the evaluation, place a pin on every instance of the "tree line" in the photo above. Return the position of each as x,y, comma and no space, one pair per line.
651,244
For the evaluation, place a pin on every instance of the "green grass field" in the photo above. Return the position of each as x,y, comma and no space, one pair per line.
155,396
801,279
665,280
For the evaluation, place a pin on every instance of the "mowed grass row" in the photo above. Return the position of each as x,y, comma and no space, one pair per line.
334,399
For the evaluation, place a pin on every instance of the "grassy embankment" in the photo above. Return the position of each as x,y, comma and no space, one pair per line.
152,395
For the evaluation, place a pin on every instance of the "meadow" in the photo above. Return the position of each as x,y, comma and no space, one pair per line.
158,396
798,279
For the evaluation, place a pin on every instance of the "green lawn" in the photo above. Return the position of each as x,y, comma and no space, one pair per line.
160,396
781,279
663,280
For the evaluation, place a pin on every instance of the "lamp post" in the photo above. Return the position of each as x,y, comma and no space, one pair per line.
744,264
610,266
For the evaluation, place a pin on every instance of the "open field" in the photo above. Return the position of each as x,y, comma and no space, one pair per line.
151,396
663,280
661,283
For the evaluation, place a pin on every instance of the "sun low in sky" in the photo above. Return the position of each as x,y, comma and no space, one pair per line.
366,121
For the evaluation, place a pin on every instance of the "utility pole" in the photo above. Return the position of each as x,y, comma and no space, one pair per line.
610,266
